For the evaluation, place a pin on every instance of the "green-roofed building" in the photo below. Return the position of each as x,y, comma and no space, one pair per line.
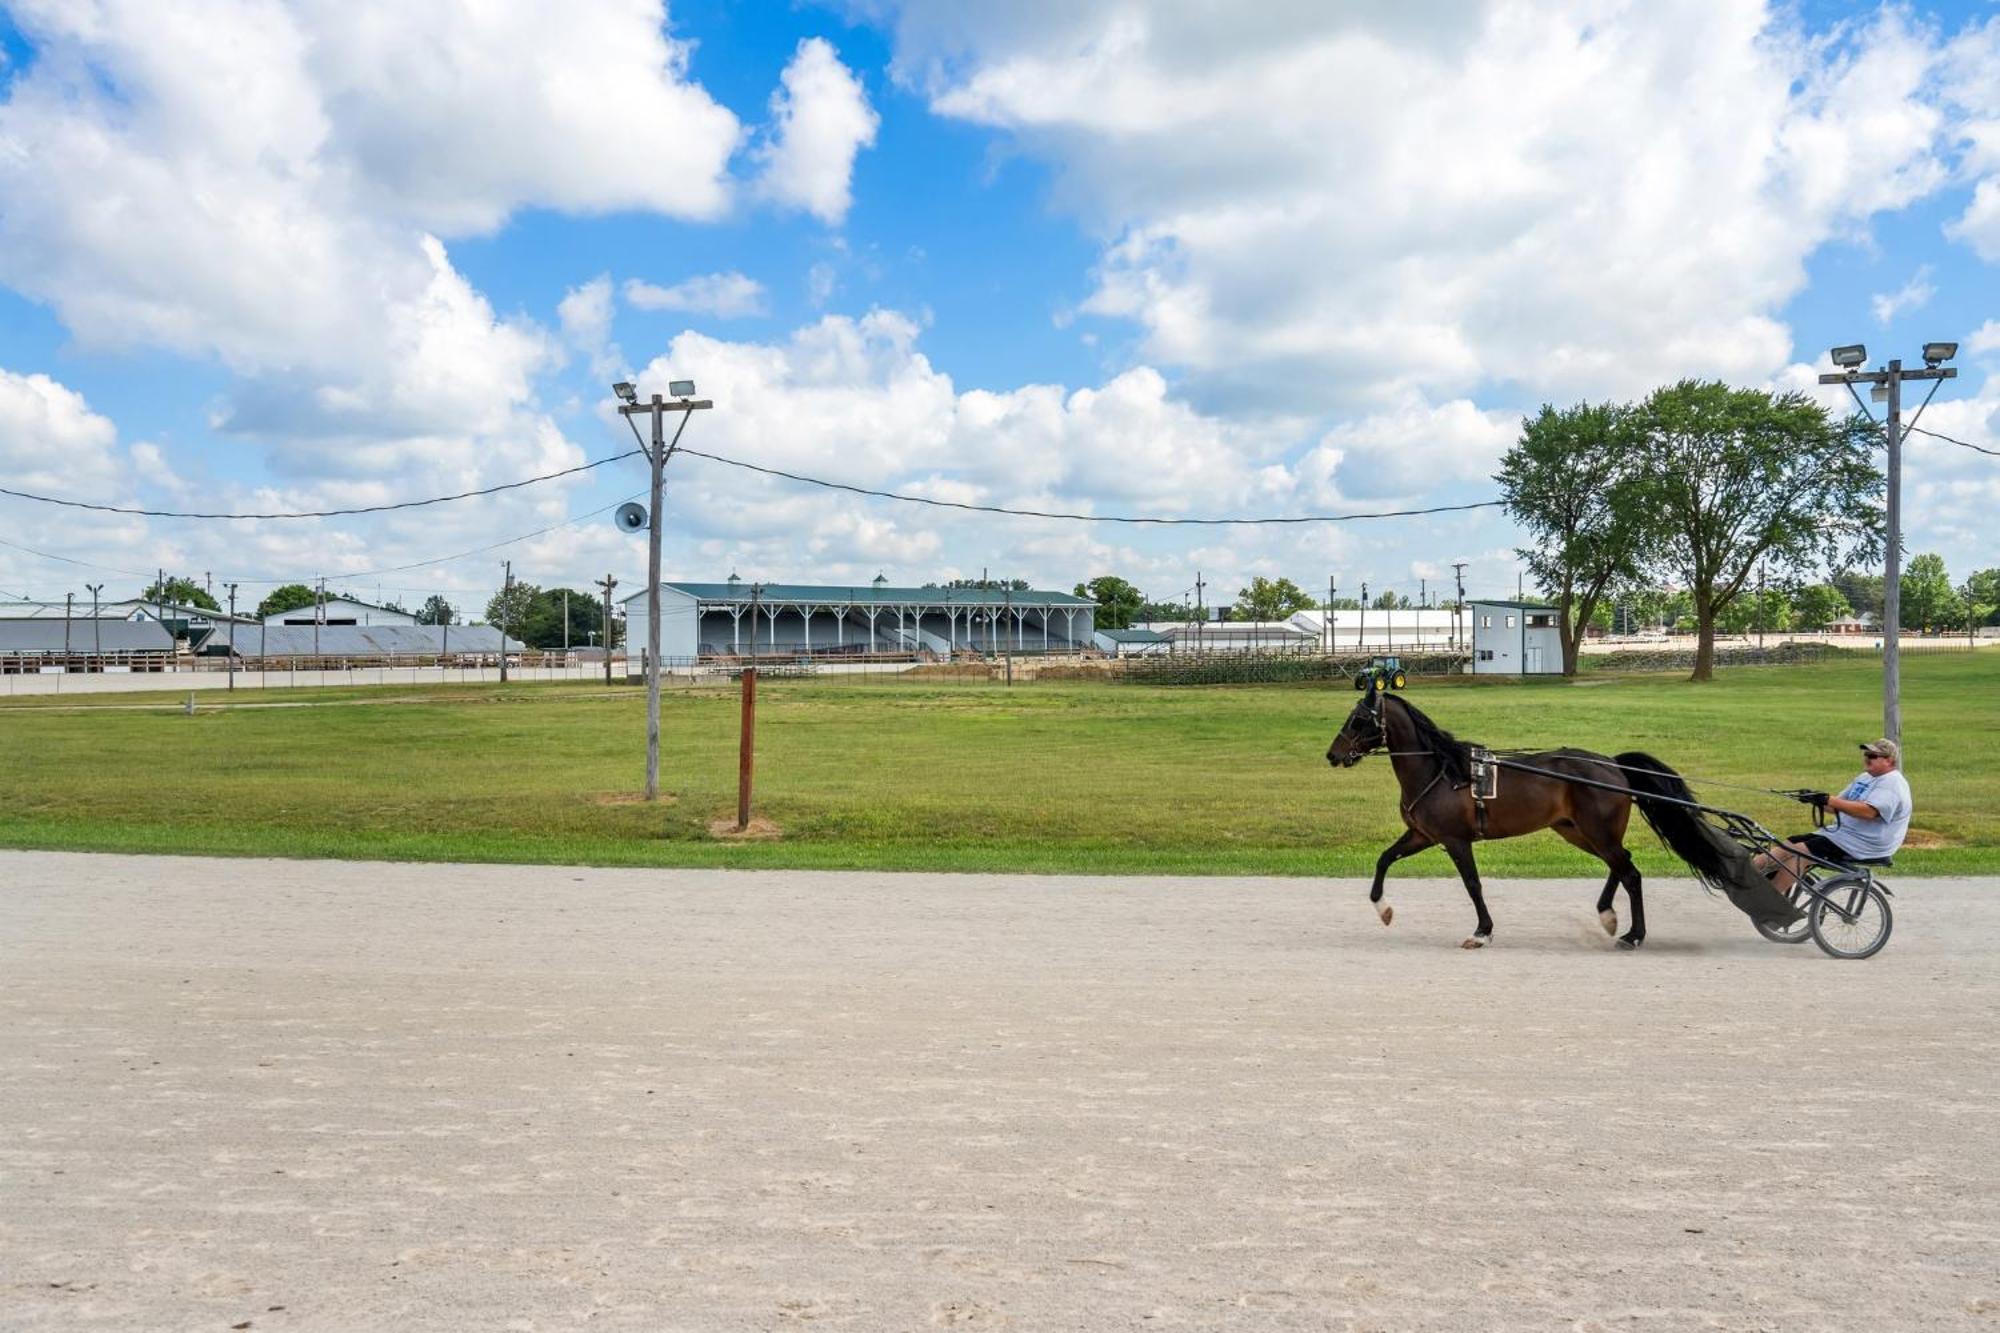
740,618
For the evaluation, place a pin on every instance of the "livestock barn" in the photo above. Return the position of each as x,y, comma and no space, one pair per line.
741,619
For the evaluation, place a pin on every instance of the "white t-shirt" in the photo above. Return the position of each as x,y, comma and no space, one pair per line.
1890,795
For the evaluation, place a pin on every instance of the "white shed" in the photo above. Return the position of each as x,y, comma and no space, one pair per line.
1515,639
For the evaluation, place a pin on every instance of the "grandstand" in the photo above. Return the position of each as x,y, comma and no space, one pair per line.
738,618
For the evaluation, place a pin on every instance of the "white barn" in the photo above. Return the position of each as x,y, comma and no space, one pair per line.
341,611
1515,639
738,618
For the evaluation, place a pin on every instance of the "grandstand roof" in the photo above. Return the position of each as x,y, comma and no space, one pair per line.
866,594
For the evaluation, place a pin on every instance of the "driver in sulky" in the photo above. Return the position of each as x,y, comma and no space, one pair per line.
1872,817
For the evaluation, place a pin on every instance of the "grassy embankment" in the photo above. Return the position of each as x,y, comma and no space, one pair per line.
945,776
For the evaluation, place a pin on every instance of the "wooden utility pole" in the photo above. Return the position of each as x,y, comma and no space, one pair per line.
657,453
1362,629
232,636
1331,592
608,582
1458,612
69,601
746,755
506,612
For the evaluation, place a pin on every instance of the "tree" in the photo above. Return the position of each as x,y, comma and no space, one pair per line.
1572,481
1978,599
1818,605
509,609
290,597
1391,601
1268,600
1735,476
997,585
1928,597
1862,591
1118,602
1983,589
436,611
179,591
1166,612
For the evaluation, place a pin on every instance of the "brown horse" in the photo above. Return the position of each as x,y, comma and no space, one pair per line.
1434,771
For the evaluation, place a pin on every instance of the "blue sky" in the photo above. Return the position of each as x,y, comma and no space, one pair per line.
1093,257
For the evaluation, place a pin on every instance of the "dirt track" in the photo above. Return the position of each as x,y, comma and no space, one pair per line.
496,1097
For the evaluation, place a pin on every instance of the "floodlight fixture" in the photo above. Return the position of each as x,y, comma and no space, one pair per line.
624,389
1937,353
1850,356
680,388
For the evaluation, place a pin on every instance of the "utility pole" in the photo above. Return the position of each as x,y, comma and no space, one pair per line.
608,582
1200,612
69,601
1458,612
319,616
1760,603
96,625
657,454
1891,379
1362,629
506,612
565,622
232,636
1331,597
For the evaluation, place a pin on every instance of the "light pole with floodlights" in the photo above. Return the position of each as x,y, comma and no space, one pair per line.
1888,384
657,453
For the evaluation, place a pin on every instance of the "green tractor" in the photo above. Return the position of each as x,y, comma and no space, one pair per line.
1381,673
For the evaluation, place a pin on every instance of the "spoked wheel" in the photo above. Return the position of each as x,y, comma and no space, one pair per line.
1851,918
1798,932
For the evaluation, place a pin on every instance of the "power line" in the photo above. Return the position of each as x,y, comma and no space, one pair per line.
1084,518
1963,444
322,513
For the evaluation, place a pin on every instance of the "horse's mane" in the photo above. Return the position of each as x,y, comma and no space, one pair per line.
1451,752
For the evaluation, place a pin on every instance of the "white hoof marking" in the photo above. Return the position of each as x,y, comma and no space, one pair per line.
1609,920
1386,912
1476,942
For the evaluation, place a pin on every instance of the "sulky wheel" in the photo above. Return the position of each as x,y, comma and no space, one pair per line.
1799,931
1850,917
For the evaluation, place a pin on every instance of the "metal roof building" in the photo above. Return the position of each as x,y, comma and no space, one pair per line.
341,611
363,642
739,618
53,643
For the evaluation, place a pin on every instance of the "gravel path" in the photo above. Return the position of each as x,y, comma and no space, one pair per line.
315,1095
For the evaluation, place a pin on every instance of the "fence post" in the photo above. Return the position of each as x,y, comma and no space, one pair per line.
746,758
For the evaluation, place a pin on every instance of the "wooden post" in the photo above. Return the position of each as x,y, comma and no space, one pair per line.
746,759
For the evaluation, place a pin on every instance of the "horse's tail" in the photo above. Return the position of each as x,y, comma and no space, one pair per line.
1712,855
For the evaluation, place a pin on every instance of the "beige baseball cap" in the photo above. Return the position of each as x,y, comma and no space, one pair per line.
1883,749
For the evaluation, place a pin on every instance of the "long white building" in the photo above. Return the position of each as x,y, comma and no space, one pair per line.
739,618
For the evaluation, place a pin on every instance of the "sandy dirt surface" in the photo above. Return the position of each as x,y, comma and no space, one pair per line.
283,1095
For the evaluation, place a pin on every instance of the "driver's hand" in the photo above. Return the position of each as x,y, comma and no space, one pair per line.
1816,798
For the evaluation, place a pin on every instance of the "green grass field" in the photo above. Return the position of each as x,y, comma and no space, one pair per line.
905,776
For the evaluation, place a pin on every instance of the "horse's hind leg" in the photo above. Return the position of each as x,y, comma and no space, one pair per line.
1409,844
1607,916
1460,852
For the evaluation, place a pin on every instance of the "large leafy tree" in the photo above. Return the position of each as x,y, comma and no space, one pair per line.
1118,602
1983,589
1572,480
1862,591
1735,476
1929,600
180,591
1268,599
436,611
290,597
1818,605
508,609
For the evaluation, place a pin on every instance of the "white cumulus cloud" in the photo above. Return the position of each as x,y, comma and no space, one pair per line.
723,295
821,120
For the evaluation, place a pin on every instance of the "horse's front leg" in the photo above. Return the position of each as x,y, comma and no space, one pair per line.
1460,852
1409,844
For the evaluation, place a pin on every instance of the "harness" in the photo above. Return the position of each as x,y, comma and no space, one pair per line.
1485,782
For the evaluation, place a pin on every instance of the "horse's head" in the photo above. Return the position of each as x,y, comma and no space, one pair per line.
1363,731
